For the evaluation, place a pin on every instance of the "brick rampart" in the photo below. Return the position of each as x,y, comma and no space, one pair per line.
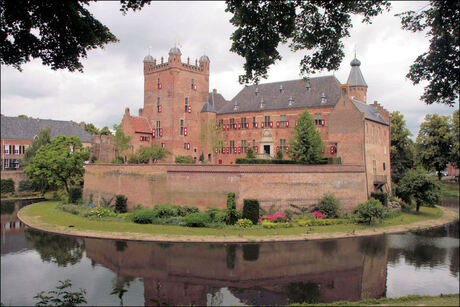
207,185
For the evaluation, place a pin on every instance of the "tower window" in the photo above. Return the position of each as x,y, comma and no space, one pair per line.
267,121
186,104
192,84
158,101
181,127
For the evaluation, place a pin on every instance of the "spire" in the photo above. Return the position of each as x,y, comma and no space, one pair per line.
356,77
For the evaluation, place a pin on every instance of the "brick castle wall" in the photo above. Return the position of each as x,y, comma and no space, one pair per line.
207,185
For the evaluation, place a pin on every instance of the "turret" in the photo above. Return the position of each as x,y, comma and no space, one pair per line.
174,56
356,83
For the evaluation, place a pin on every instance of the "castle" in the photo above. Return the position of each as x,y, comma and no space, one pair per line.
181,115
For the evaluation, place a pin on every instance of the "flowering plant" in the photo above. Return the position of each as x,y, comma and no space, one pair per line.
277,217
318,214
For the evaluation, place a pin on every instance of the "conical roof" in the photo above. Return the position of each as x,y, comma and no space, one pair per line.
356,77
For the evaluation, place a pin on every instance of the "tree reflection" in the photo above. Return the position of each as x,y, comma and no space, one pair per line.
300,292
421,255
251,252
454,261
7,207
372,246
56,249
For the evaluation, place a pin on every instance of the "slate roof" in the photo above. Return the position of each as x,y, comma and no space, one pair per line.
27,128
276,99
370,112
217,100
207,107
355,78
141,124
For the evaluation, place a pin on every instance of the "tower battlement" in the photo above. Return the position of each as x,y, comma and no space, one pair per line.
174,61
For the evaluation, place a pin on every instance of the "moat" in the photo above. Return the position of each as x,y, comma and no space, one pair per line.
394,265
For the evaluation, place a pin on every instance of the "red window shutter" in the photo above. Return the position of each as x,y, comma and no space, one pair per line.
287,123
153,132
239,126
271,124
159,86
185,131
262,124
189,109
257,125
277,124
194,87
239,149
323,122
331,149
188,146
161,132
257,149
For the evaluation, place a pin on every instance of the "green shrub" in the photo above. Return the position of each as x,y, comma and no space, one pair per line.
120,203
288,214
380,196
118,160
202,157
133,158
329,205
272,225
279,154
232,214
144,216
7,185
100,212
244,223
186,210
138,207
199,219
166,210
250,153
184,159
75,194
25,185
251,209
371,209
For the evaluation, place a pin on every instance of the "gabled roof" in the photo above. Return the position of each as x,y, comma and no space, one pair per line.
141,124
17,128
370,112
207,107
217,100
277,95
355,78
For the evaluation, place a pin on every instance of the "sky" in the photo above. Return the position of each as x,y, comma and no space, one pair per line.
113,77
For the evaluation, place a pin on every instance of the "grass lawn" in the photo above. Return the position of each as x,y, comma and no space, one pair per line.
48,213
410,300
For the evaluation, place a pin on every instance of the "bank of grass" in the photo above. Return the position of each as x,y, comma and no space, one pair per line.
410,300
48,213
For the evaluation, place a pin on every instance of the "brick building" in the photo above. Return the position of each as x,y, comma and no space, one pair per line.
18,133
181,115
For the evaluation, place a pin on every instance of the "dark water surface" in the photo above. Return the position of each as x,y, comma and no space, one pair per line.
226,274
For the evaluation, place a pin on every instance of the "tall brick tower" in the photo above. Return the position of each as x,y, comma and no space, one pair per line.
356,83
174,95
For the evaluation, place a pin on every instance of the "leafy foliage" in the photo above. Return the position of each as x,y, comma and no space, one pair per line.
75,194
455,155
25,185
199,219
232,214
402,147
440,65
43,138
423,189
120,203
7,185
251,209
105,131
306,146
309,25
370,209
152,153
61,297
244,223
144,216
121,142
329,205
184,159
58,164
250,153
380,196
434,142
91,129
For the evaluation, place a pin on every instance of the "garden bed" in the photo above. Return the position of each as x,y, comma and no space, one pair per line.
46,216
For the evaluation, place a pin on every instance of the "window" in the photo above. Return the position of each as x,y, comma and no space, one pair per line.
220,145
181,132
243,122
384,166
232,146
186,104
158,129
145,138
6,149
243,145
374,164
15,149
267,121
282,120
192,84
318,119
232,123
158,101
185,146
283,144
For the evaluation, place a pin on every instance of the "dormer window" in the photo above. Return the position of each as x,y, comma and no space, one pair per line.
257,91
308,86
236,106
262,103
281,88
291,100
323,98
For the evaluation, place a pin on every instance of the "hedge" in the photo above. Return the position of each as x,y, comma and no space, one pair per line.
7,185
331,160
251,210
184,159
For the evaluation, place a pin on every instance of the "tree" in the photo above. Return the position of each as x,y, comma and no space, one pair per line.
250,153
434,143
58,164
455,155
402,147
370,209
121,142
423,189
440,65
43,138
306,146
317,26
153,153
59,32
91,129
23,116
106,131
